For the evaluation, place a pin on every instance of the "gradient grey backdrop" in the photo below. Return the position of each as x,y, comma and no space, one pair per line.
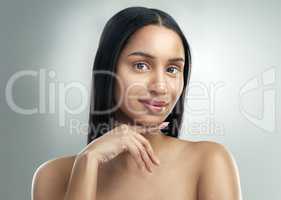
235,83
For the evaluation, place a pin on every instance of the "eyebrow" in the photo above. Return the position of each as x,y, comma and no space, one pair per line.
139,53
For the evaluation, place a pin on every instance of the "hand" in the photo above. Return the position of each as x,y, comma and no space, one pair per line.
124,138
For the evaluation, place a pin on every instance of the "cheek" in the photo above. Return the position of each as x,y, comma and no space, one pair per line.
129,90
133,90
128,86
176,89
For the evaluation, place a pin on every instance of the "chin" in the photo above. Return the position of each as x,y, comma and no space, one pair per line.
146,120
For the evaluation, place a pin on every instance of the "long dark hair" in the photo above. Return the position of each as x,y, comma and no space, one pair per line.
115,34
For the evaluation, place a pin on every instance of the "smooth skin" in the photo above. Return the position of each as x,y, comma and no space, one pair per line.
123,163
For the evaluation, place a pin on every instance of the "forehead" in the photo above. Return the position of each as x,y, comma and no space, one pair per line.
157,40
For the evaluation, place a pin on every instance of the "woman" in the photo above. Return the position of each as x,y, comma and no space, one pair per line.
141,70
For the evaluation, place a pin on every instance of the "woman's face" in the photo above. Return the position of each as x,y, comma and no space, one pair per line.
150,68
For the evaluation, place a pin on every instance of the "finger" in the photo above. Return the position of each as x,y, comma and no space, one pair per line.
147,129
134,151
144,154
149,148
158,127
142,129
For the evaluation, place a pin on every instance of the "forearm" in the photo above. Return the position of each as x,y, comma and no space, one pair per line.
82,183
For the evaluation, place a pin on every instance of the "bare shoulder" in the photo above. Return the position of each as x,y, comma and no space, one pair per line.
214,151
213,154
218,172
201,149
211,147
51,178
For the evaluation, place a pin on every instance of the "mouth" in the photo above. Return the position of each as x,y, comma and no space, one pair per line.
153,105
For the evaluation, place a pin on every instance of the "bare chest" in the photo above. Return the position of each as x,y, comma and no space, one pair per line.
167,182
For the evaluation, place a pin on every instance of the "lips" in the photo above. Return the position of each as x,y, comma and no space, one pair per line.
157,103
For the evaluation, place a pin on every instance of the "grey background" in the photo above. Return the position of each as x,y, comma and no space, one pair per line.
232,42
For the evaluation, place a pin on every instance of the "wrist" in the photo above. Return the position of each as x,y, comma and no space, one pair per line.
89,157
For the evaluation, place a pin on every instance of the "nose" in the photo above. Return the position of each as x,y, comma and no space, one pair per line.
158,84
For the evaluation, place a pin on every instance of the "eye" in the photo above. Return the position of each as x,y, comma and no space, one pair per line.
175,67
139,65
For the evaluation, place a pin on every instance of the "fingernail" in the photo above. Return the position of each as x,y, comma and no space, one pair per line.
163,125
158,161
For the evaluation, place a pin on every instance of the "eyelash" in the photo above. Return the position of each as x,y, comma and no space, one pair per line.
135,64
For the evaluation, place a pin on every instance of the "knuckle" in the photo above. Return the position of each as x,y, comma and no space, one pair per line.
124,140
138,152
123,127
120,128
149,148
124,146
142,150
146,143
146,157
